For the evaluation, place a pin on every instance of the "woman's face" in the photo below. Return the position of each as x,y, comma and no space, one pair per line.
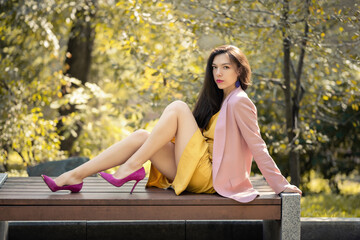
225,73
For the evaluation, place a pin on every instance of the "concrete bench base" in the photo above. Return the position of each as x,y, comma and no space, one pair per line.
4,226
174,230
311,229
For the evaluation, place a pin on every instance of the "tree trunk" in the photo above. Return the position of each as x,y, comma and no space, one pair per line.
293,103
77,65
290,127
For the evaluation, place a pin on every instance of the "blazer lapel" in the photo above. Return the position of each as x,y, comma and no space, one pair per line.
219,140
220,136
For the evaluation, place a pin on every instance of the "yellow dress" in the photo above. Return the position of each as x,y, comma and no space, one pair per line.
194,172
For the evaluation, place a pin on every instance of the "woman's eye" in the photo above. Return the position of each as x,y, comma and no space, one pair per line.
226,67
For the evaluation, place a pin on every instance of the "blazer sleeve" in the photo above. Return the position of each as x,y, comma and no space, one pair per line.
246,119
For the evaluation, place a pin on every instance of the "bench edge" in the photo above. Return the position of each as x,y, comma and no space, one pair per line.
3,177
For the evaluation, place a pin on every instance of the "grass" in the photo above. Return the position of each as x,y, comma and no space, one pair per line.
321,202
330,205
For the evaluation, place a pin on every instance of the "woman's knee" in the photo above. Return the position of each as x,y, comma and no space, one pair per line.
178,106
141,135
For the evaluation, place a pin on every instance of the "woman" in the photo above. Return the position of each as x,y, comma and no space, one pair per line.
207,151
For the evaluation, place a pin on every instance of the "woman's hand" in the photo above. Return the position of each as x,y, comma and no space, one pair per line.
292,189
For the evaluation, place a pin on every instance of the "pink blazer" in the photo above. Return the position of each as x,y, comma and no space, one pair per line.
237,141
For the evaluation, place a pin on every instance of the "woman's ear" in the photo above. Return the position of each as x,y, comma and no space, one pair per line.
238,71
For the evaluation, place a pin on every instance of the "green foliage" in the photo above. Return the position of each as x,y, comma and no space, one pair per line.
330,205
28,83
142,60
320,201
150,55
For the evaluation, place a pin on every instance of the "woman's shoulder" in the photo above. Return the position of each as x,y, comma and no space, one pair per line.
240,98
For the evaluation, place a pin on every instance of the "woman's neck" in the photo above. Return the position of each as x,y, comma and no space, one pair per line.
227,92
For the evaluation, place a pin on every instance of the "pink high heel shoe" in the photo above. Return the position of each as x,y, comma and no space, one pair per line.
137,176
54,188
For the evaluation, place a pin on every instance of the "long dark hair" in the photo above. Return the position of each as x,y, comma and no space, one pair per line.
211,97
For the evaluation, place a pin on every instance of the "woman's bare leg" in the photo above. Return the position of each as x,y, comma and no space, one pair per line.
111,157
176,121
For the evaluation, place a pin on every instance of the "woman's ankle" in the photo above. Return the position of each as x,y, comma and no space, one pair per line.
125,170
68,178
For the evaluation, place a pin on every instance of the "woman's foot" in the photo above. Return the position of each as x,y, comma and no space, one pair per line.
125,170
54,188
67,178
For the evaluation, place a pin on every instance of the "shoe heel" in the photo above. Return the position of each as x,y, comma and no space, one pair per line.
134,186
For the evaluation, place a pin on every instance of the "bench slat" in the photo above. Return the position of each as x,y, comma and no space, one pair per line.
30,199
24,213
96,191
167,197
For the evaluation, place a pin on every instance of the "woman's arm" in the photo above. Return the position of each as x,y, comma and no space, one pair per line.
246,118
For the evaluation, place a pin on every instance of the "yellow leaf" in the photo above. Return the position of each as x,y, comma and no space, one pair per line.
341,28
34,118
338,82
322,34
327,70
325,98
334,69
355,107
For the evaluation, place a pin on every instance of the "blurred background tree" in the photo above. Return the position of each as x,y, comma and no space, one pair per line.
137,56
77,65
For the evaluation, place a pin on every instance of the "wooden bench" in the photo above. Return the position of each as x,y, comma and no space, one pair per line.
28,199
